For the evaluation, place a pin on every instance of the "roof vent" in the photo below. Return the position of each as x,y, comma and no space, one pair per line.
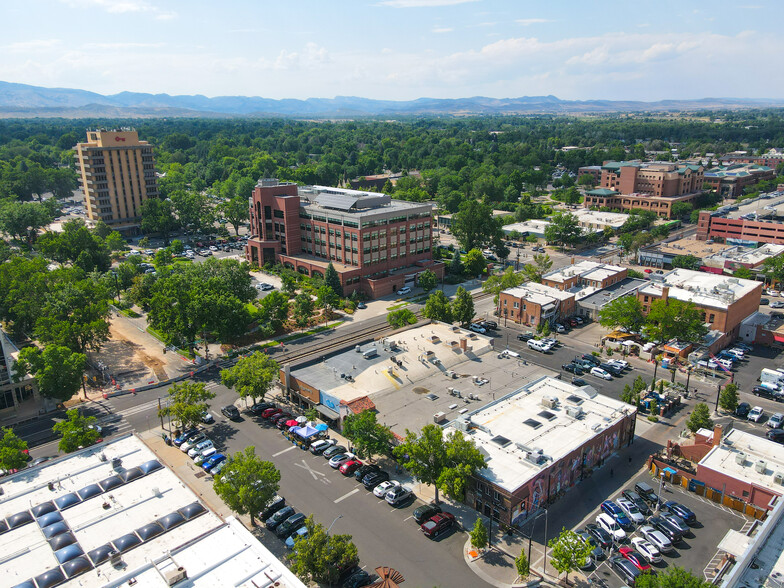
740,458
760,466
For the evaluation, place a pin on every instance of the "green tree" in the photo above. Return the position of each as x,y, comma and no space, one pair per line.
12,451
682,209
438,307
671,577
463,307
176,247
23,220
288,283
456,265
728,398
744,273
115,242
252,376
76,430
332,279
672,318
564,228
193,210
158,217
474,263
368,435
187,403
587,180
247,483
474,226
568,552
303,309
687,261
319,557
774,268
326,299
534,271
447,463
274,311
427,280
236,211
699,418
521,564
162,258
398,319
624,312
57,370
497,283
478,534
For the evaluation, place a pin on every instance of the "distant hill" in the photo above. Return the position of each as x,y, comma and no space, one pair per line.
21,100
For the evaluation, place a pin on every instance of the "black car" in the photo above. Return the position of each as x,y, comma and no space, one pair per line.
373,479
290,525
764,392
260,407
615,370
366,469
776,435
492,325
579,382
637,501
673,534
597,552
603,538
272,507
278,517
591,359
426,511
572,368
231,412
525,336
333,451
682,511
625,570
358,579
646,492
743,410
764,301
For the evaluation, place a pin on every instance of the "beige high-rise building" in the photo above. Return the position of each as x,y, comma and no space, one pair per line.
118,175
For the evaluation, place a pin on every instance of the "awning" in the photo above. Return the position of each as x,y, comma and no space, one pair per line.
327,412
734,543
670,471
306,432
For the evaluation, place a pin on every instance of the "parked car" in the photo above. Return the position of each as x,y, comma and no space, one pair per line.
260,407
213,461
638,501
647,549
425,512
403,291
331,452
610,525
600,373
178,441
675,521
646,492
398,495
282,419
364,470
625,569
204,455
230,411
635,557
602,537
193,441
609,507
350,467
492,325
274,505
756,414
216,470
290,525
292,539
373,479
381,490
197,449
339,459
264,287
630,510
437,524
270,412
525,336
597,553
621,363
320,446
592,359
207,418
776,435
477,329
278,517
572,368
361,305
357,579
656,538
612,368
743,410
682,511
669,531
765,392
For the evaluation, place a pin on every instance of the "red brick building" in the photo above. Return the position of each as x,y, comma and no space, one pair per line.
715,226
376,244
730,181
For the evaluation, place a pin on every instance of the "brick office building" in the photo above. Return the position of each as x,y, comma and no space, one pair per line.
586,274
376,244
730,181
716,226
533,304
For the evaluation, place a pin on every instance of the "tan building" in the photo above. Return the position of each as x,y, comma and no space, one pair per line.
586,274
118,175
533,304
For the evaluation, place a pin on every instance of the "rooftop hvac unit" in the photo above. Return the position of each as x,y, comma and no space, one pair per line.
740,458
174,576
778,478
574,411
450,374
115,558
550,401
462,424
760,466
439,417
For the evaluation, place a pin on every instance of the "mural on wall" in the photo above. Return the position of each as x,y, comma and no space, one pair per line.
329,401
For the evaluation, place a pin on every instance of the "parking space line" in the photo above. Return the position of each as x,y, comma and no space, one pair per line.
346,495
284,451
410,517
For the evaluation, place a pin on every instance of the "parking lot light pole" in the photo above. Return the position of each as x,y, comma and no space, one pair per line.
661,484
340,516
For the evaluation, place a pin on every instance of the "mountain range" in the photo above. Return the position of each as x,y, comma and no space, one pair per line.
21,100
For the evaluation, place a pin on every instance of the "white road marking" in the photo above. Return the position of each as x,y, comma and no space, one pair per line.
284,451
405,519
309,469
346,495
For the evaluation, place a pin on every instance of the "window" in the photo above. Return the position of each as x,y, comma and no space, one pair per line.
517,305
712,318
278,213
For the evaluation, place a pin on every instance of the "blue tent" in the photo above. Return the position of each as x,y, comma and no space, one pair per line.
307,431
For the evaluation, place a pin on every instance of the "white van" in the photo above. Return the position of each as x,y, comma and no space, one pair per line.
538,346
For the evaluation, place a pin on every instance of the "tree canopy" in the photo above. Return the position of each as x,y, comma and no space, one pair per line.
463,306
252,376
76,431
674,319
57,370
568,552
564,228
438,307
247,483
12,451
624,312
368,436
474,226
187,402
320,557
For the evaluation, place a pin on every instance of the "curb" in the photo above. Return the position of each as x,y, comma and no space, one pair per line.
474,566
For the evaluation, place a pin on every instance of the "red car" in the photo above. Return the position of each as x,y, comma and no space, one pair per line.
437,524
635,558
350,467
271,412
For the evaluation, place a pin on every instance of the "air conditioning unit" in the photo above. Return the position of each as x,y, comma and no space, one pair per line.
462,425
174,576
115,558
450,374
439,417
760,466
574,411
778,478
740,458
550,401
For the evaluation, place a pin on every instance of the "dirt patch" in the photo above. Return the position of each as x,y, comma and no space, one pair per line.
127,361
420,390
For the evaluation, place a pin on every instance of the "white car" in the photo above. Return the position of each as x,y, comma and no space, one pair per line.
213,248
647,550
631,511
202,455
195,440
756,414
739,353
619,362
656,538
600,373
610,525
381,490
204,445
477,329
403,291
775,421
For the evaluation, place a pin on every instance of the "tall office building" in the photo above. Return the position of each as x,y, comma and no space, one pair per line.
118,175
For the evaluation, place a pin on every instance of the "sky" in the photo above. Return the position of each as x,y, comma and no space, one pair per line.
398,49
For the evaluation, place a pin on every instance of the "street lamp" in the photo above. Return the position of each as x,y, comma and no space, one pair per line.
116,285
661,484
533,527
340,516
689,368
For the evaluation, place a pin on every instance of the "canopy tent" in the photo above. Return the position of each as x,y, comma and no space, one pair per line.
306,432
321,427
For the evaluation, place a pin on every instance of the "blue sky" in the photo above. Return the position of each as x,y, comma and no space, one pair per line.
398,49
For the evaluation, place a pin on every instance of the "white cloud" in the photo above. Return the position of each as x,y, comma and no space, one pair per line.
443,29
423,3
32,45
123,7
529,21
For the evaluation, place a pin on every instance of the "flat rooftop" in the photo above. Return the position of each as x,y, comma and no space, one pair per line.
760,206
702,288
525,431
66,517
749,257
611,219
724,459
538,293
694,247
529,226
598,298
355,203
588,269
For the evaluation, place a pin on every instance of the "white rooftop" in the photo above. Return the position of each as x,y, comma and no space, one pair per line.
538,293
588,217
756,449
529,226
587,269
512,447
701,288
83,503
746,256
